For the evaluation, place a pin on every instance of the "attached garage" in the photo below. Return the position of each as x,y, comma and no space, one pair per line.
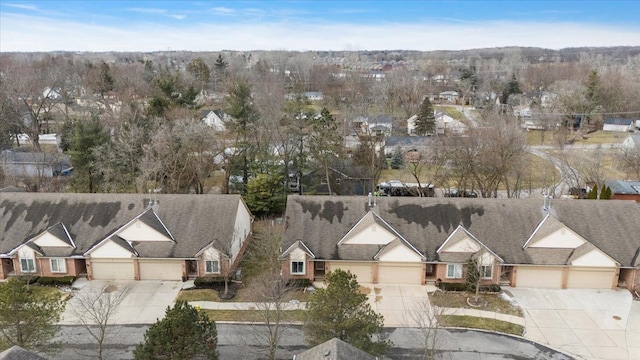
539,277
363,271
160,269
400,273
591,278
112,269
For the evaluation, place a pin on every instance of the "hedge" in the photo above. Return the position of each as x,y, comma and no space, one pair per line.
56,281
208,282
463,287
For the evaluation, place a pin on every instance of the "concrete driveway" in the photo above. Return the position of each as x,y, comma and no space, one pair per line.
589,324
144,302
399,304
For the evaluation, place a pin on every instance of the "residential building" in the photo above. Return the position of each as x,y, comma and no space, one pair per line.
518,242
618,125
624,189
122,236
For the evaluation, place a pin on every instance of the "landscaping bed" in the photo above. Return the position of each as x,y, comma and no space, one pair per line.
289,316
492,302
481,323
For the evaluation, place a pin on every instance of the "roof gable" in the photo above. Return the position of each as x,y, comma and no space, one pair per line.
297,248
551,233
112,248
594,258
145,227
55,236
398,251
370,230
462,241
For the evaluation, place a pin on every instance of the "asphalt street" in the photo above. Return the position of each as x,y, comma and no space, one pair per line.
240,341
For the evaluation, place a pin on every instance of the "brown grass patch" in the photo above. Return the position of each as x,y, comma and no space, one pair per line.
455,299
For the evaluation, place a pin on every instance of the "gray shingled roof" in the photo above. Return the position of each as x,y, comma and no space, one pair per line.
17,353
503,225
193,220
334,349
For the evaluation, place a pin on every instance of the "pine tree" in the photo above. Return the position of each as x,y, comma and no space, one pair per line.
593,193
397,160
513,87
341,311
426,120
184,333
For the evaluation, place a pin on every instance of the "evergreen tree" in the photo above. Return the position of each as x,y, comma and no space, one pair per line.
397,160
341,311
200,71
593,193
87,135
325,142
184,333
426,120
593,91
105,80
245,115
513,87
27,318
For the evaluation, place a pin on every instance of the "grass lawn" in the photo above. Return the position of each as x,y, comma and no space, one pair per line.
458,299
44,290
481,323
242,295
251,315
450,110
534,137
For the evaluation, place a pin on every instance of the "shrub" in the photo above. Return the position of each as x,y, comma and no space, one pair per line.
463,287
299,283
56,281
209,282
27,279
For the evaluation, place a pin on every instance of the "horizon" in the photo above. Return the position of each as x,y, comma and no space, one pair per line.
155,26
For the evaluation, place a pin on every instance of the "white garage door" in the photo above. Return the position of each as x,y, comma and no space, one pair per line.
160,270
112,269
363,272
400,273
591,278
539,277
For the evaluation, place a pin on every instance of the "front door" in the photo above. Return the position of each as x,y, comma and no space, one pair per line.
318,272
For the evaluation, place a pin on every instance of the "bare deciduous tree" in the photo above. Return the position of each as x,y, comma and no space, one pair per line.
95,309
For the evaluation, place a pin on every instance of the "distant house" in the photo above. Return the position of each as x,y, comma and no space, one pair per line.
631,143
215,118
450,96
309,95
618,125
22,162
421,144
445,124
624,190
374,125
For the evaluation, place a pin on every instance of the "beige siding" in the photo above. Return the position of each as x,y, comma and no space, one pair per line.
591,278
539,277
363,271
112,269
160,270
400,273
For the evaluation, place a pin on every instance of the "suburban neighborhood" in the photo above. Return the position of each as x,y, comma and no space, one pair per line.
319,180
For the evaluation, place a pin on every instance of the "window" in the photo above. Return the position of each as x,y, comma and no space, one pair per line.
212,267
486,271
297,267
27,265
454,271
58,265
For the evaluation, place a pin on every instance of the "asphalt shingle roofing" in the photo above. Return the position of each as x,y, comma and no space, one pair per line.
194,221
503,225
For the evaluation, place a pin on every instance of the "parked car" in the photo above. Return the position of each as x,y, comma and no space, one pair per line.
456,193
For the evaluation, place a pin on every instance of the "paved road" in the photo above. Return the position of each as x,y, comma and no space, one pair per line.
237,341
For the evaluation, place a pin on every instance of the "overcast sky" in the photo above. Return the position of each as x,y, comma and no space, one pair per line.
314,25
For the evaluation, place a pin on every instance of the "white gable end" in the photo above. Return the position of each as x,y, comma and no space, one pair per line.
139,231
211,254
46,239
26,252
594,258
371,235
400,254
486,259
298,255
465,246
109,249
560,239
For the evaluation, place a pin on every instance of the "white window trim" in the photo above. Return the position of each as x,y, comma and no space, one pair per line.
211,272
62,269
304,268
455,267
490,271
33,261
